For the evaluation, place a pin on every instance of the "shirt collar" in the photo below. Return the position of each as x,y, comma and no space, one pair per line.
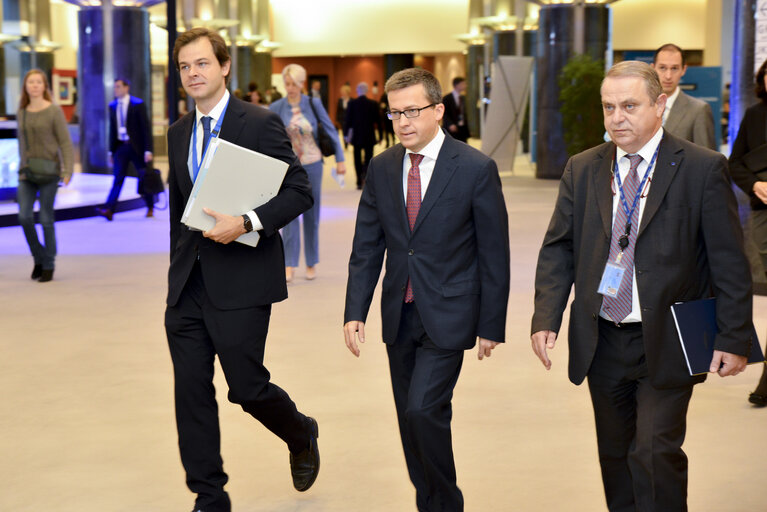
648,150
431,150
215,113
671,99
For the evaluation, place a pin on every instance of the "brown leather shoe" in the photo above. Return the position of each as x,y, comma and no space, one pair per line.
46,276
105,212
150,212
305,466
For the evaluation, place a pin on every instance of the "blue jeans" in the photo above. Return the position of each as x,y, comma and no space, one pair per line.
291,234
26,194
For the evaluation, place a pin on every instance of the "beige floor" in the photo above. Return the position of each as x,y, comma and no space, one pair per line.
86,416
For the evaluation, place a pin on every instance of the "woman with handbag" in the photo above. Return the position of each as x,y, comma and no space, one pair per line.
46,156
748,167
313,136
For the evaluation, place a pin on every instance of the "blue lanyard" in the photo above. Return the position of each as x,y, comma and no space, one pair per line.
213,134
630,212
624,240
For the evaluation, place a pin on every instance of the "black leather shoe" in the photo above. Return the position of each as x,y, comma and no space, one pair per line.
758,400
46,275
37,272
305,466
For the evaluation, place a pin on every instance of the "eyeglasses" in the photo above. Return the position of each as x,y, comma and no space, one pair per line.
410,113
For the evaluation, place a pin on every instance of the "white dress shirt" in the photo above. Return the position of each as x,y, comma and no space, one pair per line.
426,167
215,115
624,165
122,117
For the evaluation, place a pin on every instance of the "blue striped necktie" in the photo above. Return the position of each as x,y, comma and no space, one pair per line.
618,307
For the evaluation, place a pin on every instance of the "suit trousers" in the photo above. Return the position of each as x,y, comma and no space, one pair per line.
640,429
360,163
291,234
123,156
197,331
423,378
759,234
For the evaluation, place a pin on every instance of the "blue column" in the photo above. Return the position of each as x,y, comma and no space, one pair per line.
554,47
130,59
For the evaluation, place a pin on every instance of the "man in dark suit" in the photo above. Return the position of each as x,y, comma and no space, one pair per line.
436,209
220,292
655,215
362,122
130,141
455,111
686,117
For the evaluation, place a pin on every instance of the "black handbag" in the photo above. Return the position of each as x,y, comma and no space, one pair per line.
39,171
150,182
326,144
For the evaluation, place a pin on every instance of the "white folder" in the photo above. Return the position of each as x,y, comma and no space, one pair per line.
233,180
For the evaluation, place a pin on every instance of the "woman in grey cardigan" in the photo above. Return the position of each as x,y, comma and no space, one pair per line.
43,134
301,124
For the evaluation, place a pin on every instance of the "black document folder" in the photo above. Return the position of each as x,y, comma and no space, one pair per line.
696,325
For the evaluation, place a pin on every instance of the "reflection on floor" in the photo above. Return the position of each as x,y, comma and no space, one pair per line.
87,411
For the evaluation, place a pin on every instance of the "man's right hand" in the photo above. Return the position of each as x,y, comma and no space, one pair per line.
541,341
760,190
353,329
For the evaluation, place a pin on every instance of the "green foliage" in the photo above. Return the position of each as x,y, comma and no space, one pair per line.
581,108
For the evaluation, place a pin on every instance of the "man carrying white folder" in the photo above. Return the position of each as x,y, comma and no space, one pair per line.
220,293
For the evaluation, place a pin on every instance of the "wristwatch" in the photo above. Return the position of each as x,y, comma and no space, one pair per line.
247,224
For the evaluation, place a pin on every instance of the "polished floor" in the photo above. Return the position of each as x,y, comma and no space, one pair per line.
86,415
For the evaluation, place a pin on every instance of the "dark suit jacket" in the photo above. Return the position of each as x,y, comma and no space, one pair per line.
235,274
751,134
452,113
362,118
137,125
689,246
691,119
457,256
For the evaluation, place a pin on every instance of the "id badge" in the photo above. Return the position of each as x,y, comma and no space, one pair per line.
611,280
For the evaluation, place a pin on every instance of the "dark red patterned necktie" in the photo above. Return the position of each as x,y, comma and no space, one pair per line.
413,203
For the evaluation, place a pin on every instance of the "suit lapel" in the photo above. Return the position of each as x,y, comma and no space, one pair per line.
603,178
185,180
394,170
677,113
444,169
234,121
670,157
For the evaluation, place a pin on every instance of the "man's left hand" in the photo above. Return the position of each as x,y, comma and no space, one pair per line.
147,156
486,348
726,364
227,228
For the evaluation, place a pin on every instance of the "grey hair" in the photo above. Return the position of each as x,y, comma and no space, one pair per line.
415,76
637,69
296,72
362,88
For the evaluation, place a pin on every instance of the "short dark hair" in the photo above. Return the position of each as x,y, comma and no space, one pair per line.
252,86
415,76
760,91
457,80
216,41
669,47
124,81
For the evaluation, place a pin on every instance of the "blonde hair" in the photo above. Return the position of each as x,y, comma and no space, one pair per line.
24,102
296,72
